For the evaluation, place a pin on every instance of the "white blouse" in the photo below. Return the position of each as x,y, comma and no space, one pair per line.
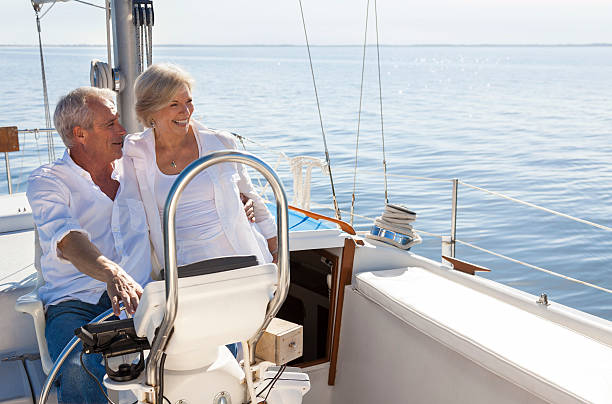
228,181
199,234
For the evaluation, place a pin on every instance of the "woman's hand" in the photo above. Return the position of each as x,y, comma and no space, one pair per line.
249,207
273,247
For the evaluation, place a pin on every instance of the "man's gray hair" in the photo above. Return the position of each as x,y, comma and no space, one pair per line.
72,111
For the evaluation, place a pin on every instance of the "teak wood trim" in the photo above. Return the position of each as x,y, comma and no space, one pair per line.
311,363
9,139
463,266
346,275
332,301
343,225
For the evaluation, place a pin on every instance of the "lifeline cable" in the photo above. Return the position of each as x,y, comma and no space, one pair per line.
365,40
331,179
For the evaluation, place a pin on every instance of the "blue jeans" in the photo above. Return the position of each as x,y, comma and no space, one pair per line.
75,385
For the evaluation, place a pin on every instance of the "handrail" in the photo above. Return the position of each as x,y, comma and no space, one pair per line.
161,340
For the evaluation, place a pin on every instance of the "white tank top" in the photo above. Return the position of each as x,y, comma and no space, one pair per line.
199,234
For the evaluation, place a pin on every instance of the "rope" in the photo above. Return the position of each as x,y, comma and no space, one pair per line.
108,34
554,212
136,17
394,227
331,179
150,21
382,130
569,278
301,185
101,75
145,35
365,40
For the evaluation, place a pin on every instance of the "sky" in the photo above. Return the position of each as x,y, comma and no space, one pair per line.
329,22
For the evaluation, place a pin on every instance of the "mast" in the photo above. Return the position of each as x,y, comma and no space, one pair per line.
126,62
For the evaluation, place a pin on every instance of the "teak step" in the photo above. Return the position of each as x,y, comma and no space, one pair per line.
464,266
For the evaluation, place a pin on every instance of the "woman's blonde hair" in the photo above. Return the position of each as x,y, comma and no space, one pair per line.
155,88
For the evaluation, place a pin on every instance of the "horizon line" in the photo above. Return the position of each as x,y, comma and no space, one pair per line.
593,44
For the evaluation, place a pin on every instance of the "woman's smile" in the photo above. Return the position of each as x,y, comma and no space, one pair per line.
175,117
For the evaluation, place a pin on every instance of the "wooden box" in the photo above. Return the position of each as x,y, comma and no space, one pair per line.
281,342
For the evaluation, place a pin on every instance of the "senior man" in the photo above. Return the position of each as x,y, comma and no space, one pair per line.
92,232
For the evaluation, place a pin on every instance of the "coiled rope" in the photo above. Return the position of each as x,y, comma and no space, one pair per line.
301,182
101,75
394,227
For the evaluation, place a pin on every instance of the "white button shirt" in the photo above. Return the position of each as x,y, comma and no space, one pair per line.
64,198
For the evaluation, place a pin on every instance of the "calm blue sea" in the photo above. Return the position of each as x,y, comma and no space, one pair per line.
530,122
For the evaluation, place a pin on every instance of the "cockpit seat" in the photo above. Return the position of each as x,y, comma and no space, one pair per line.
31,304
216,308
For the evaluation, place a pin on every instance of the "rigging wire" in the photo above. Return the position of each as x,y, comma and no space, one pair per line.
49,9
331,179
50,145
150,23
382,129
90,4
365,40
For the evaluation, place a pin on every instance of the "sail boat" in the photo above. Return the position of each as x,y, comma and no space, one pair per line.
400,327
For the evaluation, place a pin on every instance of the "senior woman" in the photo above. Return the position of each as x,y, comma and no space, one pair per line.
210,220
